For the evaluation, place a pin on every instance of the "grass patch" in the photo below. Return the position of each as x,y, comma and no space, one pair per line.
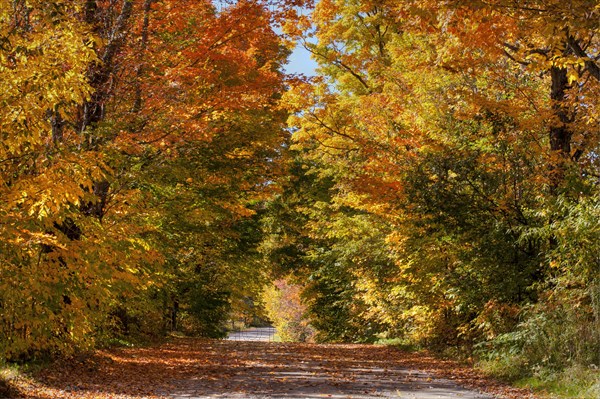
505,368
8,374
576,382
276,338
118,342
399,343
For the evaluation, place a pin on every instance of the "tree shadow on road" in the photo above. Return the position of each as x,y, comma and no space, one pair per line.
193,368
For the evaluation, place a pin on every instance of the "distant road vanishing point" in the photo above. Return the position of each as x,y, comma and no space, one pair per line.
263,334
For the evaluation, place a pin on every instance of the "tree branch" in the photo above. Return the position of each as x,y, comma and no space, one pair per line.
340,64
590,65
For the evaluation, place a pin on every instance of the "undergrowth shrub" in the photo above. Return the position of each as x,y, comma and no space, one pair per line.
555,345
286,311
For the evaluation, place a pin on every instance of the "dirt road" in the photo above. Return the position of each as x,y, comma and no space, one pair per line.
194,369
265,334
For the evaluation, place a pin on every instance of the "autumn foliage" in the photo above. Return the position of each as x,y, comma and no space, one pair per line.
138,138
286,310
444,169
436,182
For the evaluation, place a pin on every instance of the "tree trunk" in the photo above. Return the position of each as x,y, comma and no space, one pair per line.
137,105
560,132
174,314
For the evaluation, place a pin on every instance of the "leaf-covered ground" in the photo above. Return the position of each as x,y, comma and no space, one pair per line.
193,368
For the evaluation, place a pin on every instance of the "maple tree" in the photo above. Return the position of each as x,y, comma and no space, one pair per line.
452,139
216,137
139,140
46,51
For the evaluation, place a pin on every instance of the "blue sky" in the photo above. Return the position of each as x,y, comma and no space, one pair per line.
300,62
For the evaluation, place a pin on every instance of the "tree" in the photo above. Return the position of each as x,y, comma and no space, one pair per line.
129,124
452,127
